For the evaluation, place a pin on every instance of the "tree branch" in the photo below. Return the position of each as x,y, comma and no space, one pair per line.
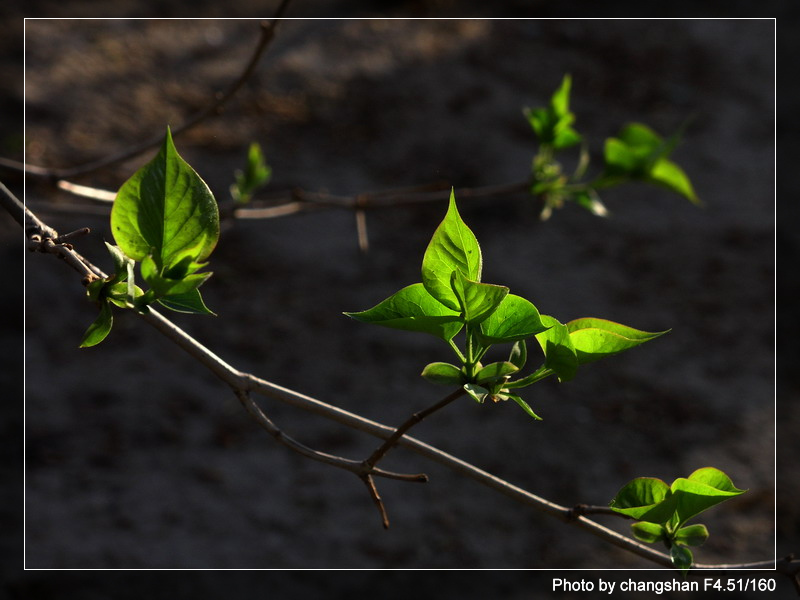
215,107
245,383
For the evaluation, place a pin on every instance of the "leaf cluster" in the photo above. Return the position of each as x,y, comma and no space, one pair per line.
166,219
255,175
637,153
452,299
662,510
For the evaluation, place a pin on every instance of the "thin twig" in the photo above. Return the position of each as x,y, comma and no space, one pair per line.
246,382
417,417
215,107
337,461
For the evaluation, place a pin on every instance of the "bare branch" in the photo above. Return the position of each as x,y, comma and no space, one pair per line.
243,383
215,107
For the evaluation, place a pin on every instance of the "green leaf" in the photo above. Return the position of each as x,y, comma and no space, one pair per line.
594,339
123,294
514,319
692,535
100,328
519,354
703,489
553,125
559,353
476,392
522,404
648,532
122,263
164,209
255,175
453,247
186,302
477,300
640,153
681,557
645,499
413,309
443,373
640,136
669,175
495,371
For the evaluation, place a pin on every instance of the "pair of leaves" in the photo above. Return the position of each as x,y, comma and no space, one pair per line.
662,510
640,153
652,500
581,341
255,175
166,218
553,124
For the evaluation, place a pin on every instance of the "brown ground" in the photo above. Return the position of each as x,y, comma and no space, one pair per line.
137,458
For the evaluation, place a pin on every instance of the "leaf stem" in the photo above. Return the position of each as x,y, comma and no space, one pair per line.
456,350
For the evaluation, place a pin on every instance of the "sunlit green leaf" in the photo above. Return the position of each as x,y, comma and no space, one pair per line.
255,175
523,405
645,499
559,353
186,302
443,373
495,371
669,175
453,247
553,125
514,319
163,209
413,309
100,328
594,339
476,300
476,392
700,491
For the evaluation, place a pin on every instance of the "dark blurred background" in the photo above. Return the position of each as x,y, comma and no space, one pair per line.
136,458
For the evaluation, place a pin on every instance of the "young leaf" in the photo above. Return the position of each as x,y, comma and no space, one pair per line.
121,262
514,319
522,404
163,209
443,373
648,532
700,491
645,499
681,557
477,300
594,339
640,153
669,175
100,328
559,353
495,371
186,302
692,535
413,309
519,354
255,175
476,392
453,247
553,125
